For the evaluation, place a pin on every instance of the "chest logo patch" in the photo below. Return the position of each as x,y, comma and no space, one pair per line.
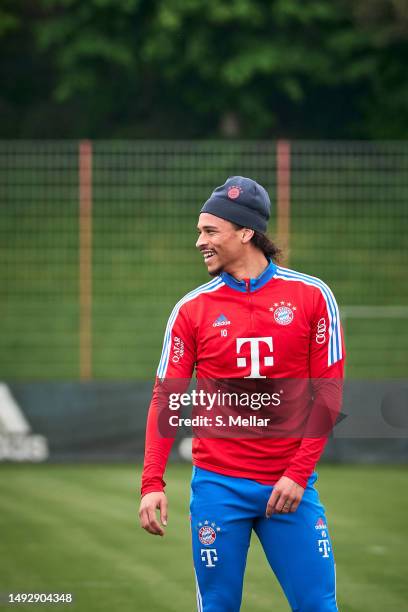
283,312
221,320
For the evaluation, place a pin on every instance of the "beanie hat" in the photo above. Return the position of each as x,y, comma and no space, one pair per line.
242,201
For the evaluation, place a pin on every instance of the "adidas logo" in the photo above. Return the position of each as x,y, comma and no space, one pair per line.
221,320
320,524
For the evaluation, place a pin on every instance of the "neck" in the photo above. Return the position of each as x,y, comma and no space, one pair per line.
249,266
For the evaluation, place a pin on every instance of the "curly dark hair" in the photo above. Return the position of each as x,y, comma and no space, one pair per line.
264,244
268,248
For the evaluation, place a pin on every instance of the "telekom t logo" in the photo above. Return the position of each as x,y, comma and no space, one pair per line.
209,556
254,344
324,547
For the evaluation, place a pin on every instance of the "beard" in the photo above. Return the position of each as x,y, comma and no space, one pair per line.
216,272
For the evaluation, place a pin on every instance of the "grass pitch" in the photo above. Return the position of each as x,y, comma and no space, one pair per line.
75,529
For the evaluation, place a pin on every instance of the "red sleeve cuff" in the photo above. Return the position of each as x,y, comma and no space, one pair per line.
153,487
300,479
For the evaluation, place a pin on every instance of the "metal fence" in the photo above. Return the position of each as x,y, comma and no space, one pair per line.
97,244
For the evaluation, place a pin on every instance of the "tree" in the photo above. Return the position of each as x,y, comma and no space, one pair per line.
195,68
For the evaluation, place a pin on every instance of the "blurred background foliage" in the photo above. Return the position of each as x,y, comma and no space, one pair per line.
204,68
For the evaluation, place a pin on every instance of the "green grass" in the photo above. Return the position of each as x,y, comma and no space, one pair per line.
75,529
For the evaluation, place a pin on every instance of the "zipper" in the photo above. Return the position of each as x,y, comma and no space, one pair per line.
251,313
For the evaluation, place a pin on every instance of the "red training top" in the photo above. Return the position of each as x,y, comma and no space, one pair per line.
283,324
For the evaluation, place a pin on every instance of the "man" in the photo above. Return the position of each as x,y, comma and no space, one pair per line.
254,320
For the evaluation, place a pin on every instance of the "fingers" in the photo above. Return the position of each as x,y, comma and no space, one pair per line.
154,525
278,502
163,511
295,504
271,506
284,504
148,521
284,499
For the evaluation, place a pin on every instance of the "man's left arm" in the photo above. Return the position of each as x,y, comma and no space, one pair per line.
326,370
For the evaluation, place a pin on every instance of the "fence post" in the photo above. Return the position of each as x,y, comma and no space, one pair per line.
283,160
85,259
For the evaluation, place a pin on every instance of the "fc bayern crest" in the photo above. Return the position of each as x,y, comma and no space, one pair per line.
207,532
207,535
234,192
283,312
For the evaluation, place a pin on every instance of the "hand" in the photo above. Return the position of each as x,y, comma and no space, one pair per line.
285,497
147,512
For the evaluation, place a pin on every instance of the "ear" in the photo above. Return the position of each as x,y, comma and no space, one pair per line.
246,235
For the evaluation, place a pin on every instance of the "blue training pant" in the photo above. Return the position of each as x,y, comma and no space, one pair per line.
224,510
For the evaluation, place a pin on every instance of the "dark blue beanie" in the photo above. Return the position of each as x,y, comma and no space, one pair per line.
242,201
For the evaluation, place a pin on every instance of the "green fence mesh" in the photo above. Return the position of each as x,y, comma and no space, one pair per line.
348,225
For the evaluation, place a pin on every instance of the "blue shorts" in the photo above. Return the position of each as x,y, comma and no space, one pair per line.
224,510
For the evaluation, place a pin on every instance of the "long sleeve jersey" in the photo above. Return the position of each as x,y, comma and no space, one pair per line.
283,324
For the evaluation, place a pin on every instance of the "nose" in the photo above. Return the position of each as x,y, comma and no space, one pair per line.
200,241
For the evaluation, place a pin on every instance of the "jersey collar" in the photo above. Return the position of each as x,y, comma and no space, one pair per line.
254,283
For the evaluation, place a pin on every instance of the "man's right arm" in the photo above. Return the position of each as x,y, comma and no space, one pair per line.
176,365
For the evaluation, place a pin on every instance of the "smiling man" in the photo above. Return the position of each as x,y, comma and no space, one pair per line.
253,320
